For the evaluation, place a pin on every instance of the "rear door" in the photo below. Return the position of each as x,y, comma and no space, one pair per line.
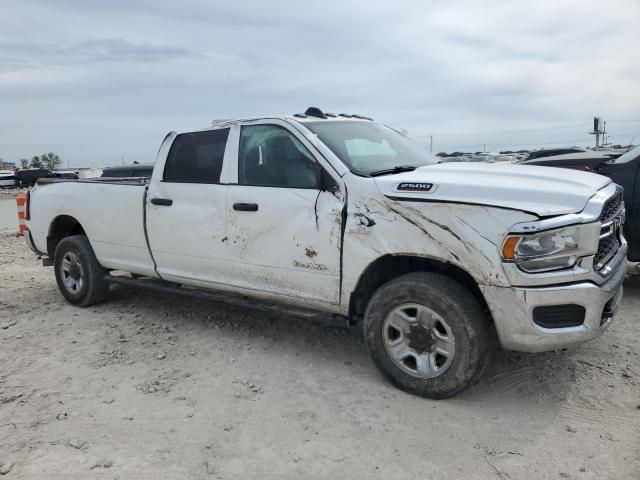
186,209
284,228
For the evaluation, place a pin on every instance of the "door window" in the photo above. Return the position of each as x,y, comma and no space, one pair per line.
196,157
272,156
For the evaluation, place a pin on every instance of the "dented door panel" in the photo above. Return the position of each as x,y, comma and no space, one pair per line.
289,246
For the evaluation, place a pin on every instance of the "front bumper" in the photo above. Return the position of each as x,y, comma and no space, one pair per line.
512,310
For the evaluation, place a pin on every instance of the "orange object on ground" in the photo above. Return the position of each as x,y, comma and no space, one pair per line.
22,210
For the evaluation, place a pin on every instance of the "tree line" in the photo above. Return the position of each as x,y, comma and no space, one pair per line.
50,161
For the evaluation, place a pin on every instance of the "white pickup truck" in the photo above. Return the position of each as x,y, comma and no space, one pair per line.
344,216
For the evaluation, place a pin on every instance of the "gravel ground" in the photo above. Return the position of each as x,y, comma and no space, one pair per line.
156,386
12,192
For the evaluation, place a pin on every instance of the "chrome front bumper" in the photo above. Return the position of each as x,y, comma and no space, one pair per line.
512,310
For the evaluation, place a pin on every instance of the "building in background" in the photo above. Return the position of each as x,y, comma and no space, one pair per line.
7,165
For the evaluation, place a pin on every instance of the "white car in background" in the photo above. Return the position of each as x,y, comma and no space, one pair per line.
8,179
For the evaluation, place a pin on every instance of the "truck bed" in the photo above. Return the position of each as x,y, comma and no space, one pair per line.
110,209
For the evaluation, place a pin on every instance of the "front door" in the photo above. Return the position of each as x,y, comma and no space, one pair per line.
284,227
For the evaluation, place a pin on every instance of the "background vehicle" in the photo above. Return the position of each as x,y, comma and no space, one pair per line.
135,170
27,177
549,152
324,214
68,174
585,160
624,170
8,179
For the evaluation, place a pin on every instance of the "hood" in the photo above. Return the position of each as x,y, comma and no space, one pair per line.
544,191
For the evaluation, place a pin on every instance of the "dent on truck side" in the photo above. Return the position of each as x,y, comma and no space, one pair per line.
465,236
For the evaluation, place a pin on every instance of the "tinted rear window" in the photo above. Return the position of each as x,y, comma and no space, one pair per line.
196,157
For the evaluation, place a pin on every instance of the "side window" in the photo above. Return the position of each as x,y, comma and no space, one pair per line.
271,156
196,157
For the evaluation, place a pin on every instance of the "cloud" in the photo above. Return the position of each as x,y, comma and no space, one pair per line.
96,80
16,56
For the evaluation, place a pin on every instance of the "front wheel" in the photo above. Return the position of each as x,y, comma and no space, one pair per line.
79,276
427,334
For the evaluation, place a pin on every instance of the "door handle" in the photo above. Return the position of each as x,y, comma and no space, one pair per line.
246,207
166,202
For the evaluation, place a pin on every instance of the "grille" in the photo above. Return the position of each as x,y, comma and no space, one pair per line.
612,206
610,243
607,248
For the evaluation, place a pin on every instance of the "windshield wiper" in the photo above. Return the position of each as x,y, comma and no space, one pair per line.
396,169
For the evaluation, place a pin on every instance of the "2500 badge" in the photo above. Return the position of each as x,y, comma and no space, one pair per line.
415,187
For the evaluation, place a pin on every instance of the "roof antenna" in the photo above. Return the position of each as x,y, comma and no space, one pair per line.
315,112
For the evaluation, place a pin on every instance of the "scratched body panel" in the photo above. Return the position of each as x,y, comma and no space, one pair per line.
468,236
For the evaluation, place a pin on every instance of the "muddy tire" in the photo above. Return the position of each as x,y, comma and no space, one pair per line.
427,334
79,276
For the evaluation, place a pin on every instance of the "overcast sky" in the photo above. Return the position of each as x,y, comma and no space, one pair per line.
97,81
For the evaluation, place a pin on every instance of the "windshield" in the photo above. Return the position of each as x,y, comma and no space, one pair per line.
368,147
630,155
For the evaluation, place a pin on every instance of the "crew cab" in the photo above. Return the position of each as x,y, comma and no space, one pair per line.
339,215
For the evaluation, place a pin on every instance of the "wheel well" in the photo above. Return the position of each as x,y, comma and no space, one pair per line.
61,227
388,267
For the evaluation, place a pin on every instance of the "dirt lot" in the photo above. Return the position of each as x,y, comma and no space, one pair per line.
12,192
154,386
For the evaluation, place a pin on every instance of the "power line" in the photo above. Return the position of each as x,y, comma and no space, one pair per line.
506,131
520,144
527,130
574,142
622,135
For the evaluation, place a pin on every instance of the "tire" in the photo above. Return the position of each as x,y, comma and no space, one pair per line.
413,320
79,276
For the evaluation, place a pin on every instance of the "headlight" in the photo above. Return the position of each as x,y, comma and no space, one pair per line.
551,250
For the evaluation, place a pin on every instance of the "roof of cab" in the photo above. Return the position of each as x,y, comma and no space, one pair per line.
312,114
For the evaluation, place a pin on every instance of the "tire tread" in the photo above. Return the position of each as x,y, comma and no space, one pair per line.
469,364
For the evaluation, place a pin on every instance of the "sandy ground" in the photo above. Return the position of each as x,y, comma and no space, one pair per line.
12,192
154,386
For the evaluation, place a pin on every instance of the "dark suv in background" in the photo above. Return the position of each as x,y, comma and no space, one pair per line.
27,177
623,170
136,170
548,152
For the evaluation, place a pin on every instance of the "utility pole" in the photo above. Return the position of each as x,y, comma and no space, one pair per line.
484,148
430,143
122,159
596,130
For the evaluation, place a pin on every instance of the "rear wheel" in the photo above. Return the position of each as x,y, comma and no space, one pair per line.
79,276
427,334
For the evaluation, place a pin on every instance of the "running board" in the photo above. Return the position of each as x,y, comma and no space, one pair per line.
327,319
